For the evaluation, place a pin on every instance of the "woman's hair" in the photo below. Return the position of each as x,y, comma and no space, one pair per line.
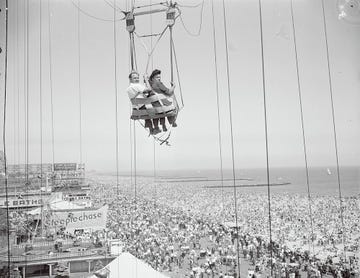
154,73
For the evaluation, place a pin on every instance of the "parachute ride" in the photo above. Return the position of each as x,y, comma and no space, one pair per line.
155,105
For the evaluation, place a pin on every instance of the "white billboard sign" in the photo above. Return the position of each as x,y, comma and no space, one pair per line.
79,219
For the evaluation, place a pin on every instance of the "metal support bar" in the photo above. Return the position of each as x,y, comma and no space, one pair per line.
155,4
150,12
151,35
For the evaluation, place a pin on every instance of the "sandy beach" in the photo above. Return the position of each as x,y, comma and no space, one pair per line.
185,230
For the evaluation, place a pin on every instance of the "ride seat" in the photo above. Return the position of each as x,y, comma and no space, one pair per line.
153,107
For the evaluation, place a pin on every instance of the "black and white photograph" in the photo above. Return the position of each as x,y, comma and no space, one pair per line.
180,139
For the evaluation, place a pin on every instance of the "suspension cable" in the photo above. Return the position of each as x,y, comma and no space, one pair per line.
79,83
231,133
178,74
130,121
154,145
149,53
15,80
171,56
51,87
132,52
191,6
155,173
24,84
131,150
112,6
116,104
200,24
133,62
51,96
4,137
92,16
24,97
27,94
311,240
334,129
27,185
266,134
130,129
218,108
18,83
135,170
41,114
135,59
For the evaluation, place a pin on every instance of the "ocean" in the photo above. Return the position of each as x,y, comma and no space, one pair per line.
323,181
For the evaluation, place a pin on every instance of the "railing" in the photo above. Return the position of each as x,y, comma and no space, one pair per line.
55,256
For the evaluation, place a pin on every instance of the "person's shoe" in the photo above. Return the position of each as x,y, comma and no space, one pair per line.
156,130
174,125
164,128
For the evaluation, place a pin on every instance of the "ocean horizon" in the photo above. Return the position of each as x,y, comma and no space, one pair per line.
287,180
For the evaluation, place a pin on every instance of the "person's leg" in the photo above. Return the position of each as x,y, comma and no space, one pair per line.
163,124
149,125
172,120
156,126
156,123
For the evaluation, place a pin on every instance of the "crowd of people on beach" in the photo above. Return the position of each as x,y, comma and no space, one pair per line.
191,231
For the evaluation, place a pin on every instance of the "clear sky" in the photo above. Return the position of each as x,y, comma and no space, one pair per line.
195,142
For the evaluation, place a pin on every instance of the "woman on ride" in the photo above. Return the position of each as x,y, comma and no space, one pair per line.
158,87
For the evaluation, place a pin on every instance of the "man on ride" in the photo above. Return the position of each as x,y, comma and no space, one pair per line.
138,90
158,87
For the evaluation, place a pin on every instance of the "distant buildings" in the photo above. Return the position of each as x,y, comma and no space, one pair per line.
31,185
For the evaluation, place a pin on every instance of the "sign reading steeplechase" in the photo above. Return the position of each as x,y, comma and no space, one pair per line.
80,219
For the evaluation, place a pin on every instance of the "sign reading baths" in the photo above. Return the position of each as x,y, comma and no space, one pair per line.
80,219
23,202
